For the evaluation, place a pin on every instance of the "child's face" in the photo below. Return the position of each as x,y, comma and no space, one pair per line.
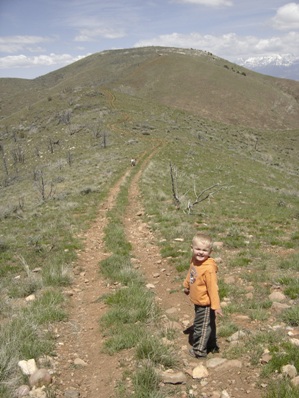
200,251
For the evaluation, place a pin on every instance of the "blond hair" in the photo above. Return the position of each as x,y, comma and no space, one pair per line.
200,237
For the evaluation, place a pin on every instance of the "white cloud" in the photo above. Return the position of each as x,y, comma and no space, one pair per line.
12,44
95,33
208,3
287,17
229,46
22,61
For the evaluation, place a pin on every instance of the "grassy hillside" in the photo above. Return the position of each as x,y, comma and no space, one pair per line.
196,81
66,137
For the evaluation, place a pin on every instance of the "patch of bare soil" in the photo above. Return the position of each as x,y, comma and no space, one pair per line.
81,338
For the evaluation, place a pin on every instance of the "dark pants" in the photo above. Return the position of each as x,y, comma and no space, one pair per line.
204,336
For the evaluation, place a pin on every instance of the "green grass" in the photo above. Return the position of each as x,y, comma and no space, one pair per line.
146,383
291,316
281,389
227,328
282,354
153,349
131,304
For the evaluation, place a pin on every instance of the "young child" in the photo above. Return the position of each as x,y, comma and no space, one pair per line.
201,284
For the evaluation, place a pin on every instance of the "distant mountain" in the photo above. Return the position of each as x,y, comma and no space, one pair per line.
284,66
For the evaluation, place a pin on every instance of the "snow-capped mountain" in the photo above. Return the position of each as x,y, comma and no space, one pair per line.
284,66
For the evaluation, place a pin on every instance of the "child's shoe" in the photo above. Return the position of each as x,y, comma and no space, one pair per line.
214,350
194,355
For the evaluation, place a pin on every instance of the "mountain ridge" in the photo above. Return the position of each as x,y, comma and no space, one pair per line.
187,79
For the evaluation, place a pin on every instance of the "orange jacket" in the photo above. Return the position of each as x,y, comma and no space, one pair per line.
201,280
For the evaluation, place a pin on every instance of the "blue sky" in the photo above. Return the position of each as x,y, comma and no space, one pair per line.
39,36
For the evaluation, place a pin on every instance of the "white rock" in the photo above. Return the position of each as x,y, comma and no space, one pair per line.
266,357
224,394
295,381
200,372
79,362
230,364
28,367
171,377
295,342
150,286
214,362
277,296
31,297
289,370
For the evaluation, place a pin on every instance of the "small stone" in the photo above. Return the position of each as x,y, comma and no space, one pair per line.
22,391
80,362
289,370
28,367
224,394
277,296
40,378
150,286
295,342
214,362
216,394
230,364
295,381
171,377
71,394
265,358
31,297
200,372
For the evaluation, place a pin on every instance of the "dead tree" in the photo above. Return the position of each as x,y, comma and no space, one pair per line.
4,159
104,142
45,191
176,199
203,195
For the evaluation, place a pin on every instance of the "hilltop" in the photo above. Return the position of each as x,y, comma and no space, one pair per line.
191,80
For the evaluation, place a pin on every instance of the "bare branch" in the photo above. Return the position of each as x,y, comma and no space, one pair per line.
176,199
200,198
203,195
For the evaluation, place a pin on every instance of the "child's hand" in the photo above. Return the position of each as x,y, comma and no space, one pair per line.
219,312
186,291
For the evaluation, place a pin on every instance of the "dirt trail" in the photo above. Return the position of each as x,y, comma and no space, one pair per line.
81,338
